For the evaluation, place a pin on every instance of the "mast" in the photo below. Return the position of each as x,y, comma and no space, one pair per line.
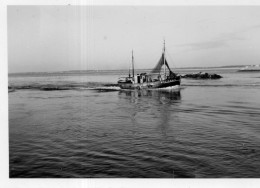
133,69
129,74
164,57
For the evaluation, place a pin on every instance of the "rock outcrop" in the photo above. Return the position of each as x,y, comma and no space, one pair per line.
201,75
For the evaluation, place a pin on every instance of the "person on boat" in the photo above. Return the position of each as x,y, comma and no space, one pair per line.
159,77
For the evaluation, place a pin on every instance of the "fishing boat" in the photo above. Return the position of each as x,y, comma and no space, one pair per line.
152,80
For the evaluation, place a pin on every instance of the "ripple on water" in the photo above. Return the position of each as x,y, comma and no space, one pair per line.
199,133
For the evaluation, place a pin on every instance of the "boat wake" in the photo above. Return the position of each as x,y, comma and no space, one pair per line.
107,88
99,86
66,86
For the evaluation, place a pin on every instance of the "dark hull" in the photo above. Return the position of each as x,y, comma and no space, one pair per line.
149,85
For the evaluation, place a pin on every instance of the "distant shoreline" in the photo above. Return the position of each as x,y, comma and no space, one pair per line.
119,70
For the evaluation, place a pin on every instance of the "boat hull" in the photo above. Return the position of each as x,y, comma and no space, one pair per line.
149,85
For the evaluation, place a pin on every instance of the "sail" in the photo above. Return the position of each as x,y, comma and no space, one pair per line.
158,67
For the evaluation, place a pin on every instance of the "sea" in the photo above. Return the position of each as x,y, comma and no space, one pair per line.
79,124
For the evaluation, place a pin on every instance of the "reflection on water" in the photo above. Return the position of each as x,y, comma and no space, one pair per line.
158,95
163,102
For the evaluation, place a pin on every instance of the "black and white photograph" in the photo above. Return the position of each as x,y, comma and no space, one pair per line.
131,91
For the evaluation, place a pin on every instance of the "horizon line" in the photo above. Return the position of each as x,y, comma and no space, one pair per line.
97,70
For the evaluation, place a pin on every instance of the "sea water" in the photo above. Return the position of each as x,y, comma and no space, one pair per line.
207,129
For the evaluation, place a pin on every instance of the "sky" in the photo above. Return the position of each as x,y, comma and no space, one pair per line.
68,37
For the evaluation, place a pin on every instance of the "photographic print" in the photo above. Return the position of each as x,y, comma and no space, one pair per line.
133,91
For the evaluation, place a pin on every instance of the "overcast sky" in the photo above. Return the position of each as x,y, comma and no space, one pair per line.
60,38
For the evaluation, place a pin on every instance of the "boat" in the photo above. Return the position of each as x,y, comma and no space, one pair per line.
152,80
250,68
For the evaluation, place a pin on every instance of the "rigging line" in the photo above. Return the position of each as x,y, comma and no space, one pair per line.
170,58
